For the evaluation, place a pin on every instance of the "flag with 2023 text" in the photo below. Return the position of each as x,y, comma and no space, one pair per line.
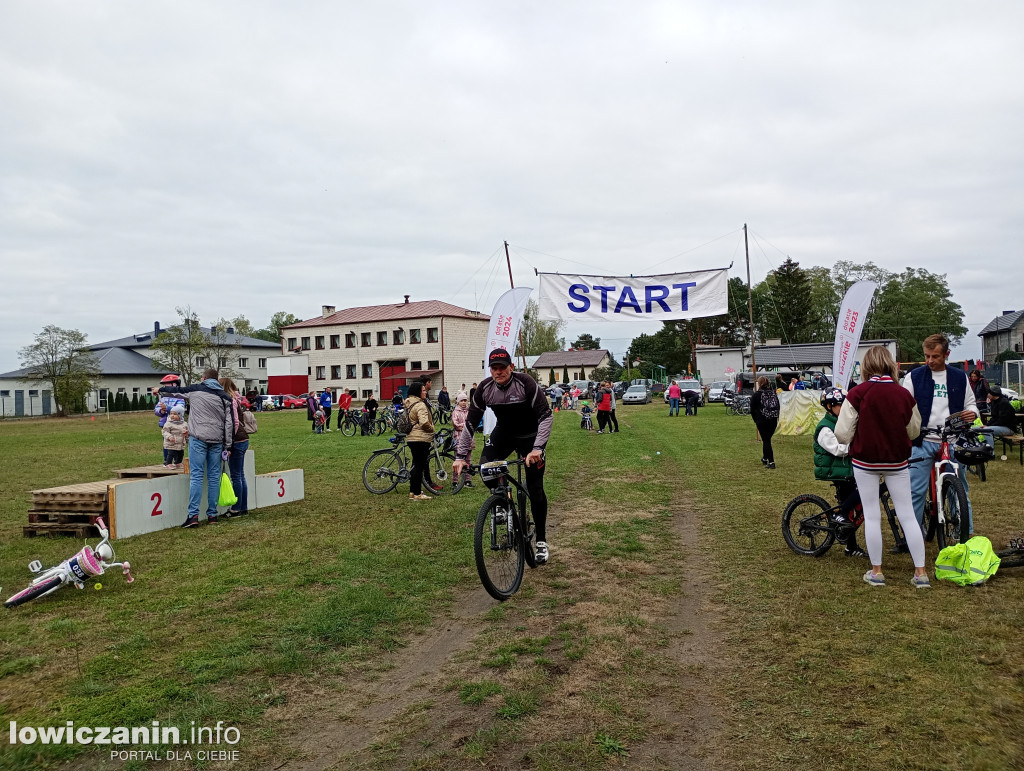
852,313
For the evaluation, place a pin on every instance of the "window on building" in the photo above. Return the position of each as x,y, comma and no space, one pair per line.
367,370
414,337
200,361
433,364
32,393
5,394
221,362
416,365
335,372
367,393
261,363
319,341
136,390
243,363
350,340
382,338
305,343
291,343
335,341
350,371
398,337
320,373
364,339
431,334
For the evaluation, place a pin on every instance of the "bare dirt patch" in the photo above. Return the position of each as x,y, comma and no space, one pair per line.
601,659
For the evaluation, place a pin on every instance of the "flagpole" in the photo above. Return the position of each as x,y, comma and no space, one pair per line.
750,304
511,283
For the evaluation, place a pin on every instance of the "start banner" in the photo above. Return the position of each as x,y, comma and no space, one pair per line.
690,295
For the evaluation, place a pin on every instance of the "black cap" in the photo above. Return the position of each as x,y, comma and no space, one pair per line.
499,357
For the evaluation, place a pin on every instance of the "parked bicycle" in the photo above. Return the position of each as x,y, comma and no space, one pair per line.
88,563
735,404
946,504
386,468
351,422
1012,557
440,415
503,539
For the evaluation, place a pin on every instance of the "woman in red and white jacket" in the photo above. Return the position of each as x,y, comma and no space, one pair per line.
878,420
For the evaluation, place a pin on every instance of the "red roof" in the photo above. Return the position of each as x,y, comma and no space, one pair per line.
396,312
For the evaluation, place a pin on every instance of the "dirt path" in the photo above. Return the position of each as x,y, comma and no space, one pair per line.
604,657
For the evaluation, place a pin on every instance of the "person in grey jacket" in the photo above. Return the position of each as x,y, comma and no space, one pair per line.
210,431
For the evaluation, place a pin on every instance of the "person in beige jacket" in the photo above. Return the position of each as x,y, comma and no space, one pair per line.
419,439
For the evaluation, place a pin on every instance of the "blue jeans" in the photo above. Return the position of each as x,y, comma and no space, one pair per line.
990,439
203,457
920,479
236,468
673,406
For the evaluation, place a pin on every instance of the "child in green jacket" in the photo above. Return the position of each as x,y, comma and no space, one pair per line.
832,463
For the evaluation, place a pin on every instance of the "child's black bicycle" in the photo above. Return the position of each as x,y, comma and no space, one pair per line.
809,529
504,533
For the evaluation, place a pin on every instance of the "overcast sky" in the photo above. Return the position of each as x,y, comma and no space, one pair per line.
251,157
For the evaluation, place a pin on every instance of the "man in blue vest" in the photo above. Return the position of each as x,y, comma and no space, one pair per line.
940,391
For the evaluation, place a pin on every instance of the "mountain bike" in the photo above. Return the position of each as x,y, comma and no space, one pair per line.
351,423
440,415
1013,557
946,505
735,404
504,533
808,529
387,467
88,563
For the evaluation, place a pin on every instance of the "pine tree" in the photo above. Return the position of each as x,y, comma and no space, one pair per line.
135,402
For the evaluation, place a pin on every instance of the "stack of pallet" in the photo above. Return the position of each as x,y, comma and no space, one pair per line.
68,509
72,509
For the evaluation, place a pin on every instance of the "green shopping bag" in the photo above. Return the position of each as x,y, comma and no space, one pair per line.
227,495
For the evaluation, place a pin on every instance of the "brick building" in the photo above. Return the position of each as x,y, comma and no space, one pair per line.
380,348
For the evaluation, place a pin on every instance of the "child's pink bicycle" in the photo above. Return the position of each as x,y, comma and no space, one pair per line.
88,563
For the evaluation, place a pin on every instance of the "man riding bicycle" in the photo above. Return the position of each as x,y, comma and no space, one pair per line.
940,391
524,426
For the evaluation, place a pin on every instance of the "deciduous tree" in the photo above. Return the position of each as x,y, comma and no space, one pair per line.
61,357
587,342
539,336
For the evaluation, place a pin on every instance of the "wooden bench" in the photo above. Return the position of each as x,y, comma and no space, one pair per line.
1009,442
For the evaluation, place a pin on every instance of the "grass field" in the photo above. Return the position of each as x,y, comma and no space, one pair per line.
266,622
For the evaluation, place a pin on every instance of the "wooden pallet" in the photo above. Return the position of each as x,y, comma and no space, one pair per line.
55,528
83,491
63,517
147,472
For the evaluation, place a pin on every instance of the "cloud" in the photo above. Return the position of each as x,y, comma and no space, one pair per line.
253,157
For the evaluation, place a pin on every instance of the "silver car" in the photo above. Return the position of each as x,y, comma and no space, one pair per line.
638,394
717,387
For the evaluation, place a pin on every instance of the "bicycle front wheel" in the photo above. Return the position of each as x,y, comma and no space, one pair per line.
348,428
805,526
382,472
37,590
954,511
499,560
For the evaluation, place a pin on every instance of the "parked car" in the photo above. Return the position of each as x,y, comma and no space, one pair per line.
619,388
290,402
587,388
269,402
637,394
690,384
658,388
716,389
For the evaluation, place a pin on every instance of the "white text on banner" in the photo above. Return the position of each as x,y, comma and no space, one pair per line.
854,310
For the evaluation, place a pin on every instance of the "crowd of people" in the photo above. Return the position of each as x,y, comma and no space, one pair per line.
215,433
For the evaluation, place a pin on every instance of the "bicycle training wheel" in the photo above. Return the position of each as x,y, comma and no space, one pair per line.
805,526
499,561
348,428
382,472
954,512
33,591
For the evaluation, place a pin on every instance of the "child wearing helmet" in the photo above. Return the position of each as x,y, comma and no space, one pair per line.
586,422
832,464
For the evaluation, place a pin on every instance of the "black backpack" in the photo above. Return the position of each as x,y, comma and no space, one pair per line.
769,404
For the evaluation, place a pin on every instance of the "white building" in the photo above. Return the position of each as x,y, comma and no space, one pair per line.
722,363
558,366
127,366
380,348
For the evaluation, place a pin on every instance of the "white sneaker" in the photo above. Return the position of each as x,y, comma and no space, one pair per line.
542,552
